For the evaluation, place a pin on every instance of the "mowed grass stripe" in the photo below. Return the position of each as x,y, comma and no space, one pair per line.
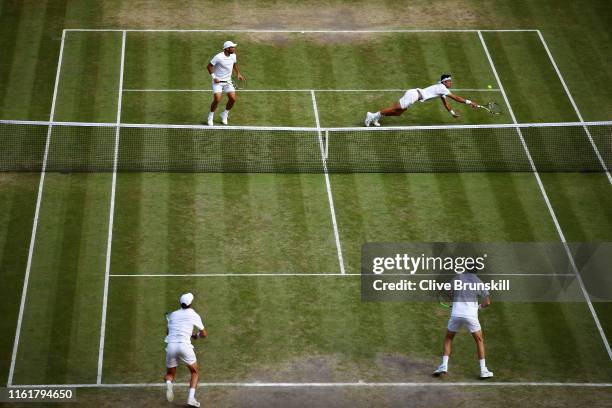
18,192
30,40
21,43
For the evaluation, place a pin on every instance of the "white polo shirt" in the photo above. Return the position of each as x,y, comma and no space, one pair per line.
465,303
180,325
223,65
434,91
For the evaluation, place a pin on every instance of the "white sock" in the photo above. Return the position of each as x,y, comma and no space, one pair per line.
445,361
211,115
482,364
225,112
377,116
168,382
191,393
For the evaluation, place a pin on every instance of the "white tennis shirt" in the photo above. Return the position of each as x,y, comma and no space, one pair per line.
434,91
223,65
180,325
465,303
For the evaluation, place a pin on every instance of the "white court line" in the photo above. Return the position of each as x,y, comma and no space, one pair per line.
24,292
334,384
308,90
257,274
110,220
203,30
328,184
548,204
569,95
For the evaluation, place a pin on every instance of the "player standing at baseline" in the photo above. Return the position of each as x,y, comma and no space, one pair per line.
179,335
220,69
441,89
465,314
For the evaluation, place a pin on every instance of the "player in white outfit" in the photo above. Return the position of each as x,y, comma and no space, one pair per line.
465,314
220,69
179,334
441,90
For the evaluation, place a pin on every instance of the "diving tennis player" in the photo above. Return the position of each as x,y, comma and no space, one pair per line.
179,347
441,90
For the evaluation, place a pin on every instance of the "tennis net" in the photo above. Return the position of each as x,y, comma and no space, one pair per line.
90,147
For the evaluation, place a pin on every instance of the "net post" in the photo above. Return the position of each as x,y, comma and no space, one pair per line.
326,144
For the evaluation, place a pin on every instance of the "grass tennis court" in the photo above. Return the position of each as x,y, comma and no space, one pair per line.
274,259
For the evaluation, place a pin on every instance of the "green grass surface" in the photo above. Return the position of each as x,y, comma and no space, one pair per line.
290,328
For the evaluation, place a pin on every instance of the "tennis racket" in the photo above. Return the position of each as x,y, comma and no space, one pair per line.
491,107
445,298
239,83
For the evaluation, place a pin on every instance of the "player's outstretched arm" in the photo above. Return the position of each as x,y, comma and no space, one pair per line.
459,99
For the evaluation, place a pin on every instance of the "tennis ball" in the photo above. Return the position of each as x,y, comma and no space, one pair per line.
489,86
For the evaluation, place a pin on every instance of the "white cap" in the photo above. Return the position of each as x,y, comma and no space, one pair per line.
229,44
186,299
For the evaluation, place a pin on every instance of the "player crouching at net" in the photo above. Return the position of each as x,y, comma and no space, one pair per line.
441,89
220,69
179,335
465,314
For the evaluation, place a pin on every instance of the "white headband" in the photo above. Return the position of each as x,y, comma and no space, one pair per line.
446,79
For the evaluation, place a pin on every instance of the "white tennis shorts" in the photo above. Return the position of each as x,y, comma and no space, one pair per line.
226,87
179,351
455,323
410,97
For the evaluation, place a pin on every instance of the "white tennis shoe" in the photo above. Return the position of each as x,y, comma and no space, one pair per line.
441,370
369,118
169,392
224,118
485,373
192,402
210,121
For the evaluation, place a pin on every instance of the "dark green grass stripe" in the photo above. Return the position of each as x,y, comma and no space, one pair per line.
43,83
62,309
181,214
604,311
17,208
10,18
